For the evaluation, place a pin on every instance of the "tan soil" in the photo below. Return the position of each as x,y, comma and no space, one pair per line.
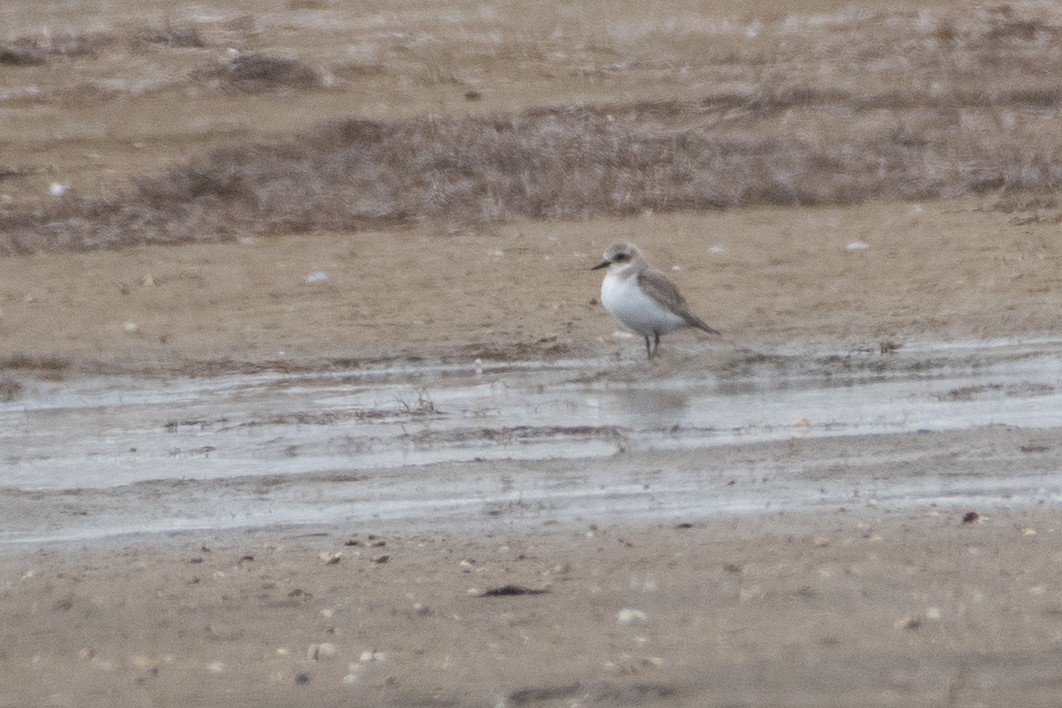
911,608
784,277
863,608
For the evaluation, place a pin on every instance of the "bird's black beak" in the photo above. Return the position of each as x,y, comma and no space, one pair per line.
602,264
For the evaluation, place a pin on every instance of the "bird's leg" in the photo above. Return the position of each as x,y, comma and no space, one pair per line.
648,349
656,341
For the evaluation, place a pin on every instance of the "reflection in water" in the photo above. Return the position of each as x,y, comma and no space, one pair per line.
649,407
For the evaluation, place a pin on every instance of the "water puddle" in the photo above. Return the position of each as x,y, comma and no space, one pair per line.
230,451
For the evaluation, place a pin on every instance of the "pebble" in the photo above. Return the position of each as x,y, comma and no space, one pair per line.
320,276
858,246
330,558
628,616
151,663
908,622
382,558
216,667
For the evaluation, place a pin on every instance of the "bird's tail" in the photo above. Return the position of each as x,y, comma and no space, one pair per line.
694,321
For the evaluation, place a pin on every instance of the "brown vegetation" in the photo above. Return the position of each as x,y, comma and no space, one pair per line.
575,163
254,72
890,106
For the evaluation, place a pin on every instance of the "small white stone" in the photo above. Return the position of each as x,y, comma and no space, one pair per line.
628,616
858,246
57,189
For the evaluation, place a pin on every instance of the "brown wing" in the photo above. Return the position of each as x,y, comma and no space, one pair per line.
659,287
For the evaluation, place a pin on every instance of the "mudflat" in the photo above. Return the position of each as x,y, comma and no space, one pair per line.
830,560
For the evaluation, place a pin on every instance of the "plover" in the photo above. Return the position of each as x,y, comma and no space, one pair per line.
644,300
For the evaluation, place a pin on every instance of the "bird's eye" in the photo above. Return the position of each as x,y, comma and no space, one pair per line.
621,258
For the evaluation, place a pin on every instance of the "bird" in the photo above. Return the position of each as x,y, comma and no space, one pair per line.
644,300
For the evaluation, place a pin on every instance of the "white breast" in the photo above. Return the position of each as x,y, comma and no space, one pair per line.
622,297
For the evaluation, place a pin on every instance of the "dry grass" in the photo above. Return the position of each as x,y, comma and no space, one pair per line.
575,163
255,72
28,51
37,49
835,111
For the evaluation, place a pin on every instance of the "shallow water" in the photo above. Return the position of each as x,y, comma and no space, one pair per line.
362,445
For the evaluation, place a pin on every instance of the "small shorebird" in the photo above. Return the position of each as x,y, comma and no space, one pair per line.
643,299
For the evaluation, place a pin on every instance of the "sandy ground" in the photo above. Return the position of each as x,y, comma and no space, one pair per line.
765,277
822,608
852,606
838,609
